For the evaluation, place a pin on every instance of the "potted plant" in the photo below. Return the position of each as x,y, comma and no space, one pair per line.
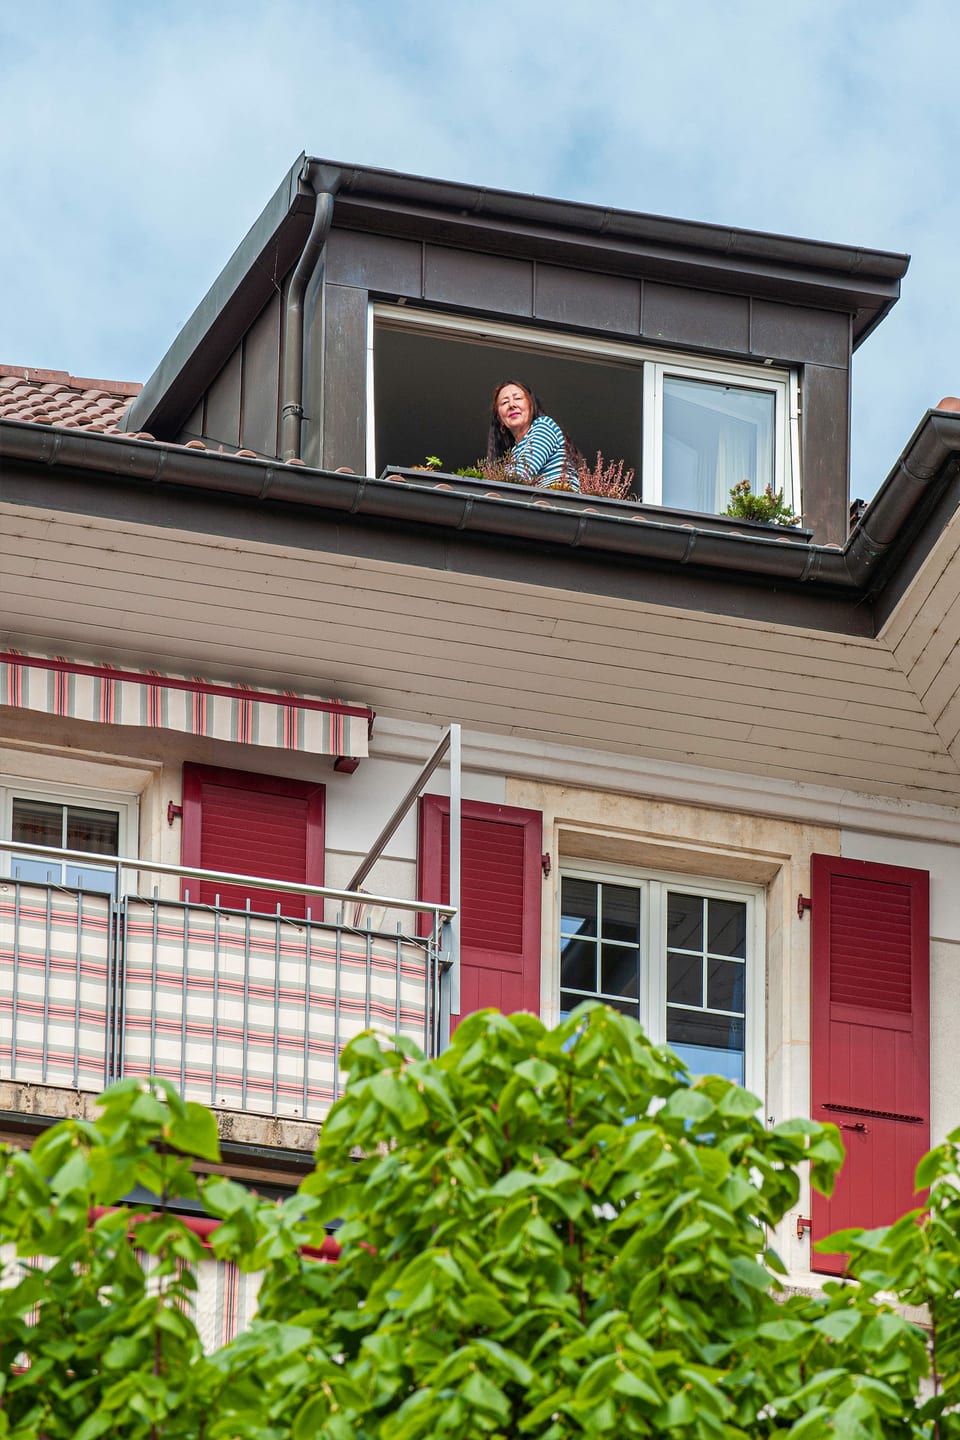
768,507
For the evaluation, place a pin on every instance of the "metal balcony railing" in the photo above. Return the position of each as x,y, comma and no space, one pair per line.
241,1010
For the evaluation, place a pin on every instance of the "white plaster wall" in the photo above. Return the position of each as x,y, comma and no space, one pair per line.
942,861
359,805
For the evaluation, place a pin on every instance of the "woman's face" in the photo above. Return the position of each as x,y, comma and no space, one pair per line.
515,410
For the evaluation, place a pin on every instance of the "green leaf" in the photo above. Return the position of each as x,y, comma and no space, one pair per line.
538,1072
398,1096
514,1181
687,1105
75,1174
486,1396
782,1331
195,1133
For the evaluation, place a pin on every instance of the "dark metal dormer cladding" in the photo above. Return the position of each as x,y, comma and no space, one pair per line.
417,295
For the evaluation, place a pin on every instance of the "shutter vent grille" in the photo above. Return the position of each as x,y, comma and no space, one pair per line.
870,944
253,832
491,883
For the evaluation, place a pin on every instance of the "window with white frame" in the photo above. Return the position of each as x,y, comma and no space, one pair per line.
709,431
681,956
94,824
691,426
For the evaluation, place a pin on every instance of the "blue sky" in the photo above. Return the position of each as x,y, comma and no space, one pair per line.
139,143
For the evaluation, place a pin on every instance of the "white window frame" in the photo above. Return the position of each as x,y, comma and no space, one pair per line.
653,886
779,384
126,807
654,364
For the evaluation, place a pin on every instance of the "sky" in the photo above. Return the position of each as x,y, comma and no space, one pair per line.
140,142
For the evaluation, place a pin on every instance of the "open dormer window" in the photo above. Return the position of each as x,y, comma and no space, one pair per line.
709,431
690,426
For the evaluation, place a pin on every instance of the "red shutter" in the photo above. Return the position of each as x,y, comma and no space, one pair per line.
870,1037
251,825
500,898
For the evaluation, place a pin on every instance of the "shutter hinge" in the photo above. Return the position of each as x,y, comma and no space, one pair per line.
804,1226
803,903
545,863
174,812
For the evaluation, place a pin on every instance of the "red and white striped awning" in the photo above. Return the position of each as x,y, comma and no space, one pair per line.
282,719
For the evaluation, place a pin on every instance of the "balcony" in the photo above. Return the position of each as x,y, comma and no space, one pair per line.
244,1012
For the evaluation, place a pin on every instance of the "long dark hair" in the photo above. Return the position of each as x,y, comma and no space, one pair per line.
500,440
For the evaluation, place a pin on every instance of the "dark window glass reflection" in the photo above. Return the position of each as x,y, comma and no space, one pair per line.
578,907
684,979
621,914
725,985
727,927
684,921
578,965
692,1027
620,970
96,831
37,823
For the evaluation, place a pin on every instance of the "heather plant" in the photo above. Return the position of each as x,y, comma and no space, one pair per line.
768,506
606,477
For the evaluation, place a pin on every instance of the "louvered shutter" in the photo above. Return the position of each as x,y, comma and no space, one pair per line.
500,882
870,1037
251,825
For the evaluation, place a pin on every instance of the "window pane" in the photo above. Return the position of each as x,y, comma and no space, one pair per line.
36,872
684,922
620,970
725,985
714,436
96,831
703,1060
727,927
684,979
89,877
578,965
37,823
691,1027
578,907
626,1007
621,914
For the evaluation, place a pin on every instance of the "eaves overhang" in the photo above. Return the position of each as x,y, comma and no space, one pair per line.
718,257
864,282
579,534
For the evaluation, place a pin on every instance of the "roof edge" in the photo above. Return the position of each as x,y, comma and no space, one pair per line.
733,241
883,537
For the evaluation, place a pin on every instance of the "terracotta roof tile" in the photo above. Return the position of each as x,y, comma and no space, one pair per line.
52,397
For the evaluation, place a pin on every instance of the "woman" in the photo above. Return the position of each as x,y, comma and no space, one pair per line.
531,444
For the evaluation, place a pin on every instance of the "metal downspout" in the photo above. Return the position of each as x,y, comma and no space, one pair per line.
310,264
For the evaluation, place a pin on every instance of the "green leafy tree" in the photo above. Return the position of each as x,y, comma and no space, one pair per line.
545,1234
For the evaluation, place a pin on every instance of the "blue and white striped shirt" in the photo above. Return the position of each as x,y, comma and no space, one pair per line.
541,455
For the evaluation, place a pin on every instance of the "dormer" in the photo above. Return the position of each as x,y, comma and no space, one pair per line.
365,319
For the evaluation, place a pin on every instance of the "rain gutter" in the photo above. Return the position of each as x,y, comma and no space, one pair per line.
577,523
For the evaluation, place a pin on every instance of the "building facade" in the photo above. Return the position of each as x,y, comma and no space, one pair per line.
699,767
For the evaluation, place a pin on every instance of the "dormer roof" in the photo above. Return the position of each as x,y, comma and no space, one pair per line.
862,283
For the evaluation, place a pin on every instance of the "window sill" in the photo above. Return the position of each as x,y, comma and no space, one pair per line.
572,500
